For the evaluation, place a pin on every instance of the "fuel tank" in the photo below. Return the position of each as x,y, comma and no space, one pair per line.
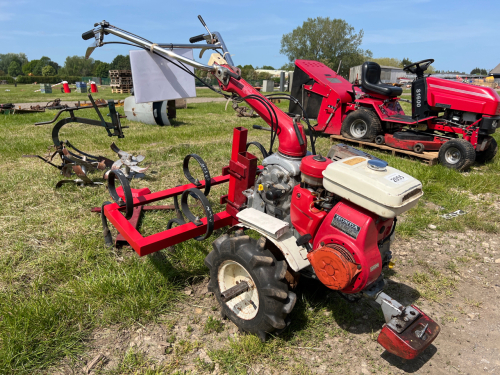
443,93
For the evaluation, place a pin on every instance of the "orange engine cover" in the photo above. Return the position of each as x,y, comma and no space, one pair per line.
334,266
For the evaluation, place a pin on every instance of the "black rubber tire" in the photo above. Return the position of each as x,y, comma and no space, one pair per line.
380,139
268,274
418,148
489,153
365,116
465,157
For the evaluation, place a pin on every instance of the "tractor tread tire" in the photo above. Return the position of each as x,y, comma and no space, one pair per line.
466,149
369,117
489,153
268,274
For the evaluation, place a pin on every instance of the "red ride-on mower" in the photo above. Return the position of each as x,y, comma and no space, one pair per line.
454,118
331,219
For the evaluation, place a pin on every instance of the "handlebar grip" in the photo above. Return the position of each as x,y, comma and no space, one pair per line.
88,35
234,75
197,38
201,20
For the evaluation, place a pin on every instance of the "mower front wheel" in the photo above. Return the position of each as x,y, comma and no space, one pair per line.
457,154
489,153
264,304
362,124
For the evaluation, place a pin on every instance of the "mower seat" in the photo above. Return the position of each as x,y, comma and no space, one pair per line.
370,81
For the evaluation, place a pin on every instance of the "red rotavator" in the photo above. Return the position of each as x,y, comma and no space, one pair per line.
327,218
454,118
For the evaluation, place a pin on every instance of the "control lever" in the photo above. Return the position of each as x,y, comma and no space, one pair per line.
205,26
304,241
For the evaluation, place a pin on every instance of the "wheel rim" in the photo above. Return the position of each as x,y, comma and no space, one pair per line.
453,155
246,305
359,128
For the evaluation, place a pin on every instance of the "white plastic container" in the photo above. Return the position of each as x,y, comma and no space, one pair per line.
151,113
381,189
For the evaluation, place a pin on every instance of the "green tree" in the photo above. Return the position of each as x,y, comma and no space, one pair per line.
248,72
29,67
266,67
120,62
405,62
77,66
14,69
48,71
326,40
101,69
6,60
388,61
288,66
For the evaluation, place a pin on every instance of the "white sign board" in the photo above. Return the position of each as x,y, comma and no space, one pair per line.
156,79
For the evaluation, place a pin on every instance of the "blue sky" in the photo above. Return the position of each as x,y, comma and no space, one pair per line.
457,34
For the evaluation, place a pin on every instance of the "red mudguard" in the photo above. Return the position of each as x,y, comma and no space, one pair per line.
408,344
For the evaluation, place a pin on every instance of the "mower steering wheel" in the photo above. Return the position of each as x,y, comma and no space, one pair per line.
418,67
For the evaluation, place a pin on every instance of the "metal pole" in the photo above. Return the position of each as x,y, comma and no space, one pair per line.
155,47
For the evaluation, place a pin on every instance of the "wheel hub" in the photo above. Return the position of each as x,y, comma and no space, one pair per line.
359,128
453,155
245,305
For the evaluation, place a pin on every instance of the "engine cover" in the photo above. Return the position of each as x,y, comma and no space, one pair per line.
359,231
334,266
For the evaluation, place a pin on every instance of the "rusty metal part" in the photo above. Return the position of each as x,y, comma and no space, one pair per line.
98,102
235,291
127,163
242,111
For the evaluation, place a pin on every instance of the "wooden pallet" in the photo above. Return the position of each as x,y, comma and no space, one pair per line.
120,91
428,157
122,86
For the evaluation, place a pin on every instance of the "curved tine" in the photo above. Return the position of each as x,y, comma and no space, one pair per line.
81,152
139,158
115,148
138,169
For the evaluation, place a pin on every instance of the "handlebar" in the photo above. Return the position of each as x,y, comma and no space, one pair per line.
88,35
197,38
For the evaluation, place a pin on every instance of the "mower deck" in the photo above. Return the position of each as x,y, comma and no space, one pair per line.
430,158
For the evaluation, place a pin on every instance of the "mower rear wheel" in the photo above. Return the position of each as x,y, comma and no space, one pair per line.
489,153
263,307
457,154
362,124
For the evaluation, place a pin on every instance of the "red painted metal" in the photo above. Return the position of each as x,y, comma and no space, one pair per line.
405,144
462,96
147,245
305,217
288,142
364,248
242,171
314,168
407,344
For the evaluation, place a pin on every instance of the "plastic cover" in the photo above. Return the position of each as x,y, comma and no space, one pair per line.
155,79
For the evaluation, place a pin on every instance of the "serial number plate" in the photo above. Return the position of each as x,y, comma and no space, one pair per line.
396,178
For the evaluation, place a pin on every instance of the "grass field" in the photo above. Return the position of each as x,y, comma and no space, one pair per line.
26,94
59,284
